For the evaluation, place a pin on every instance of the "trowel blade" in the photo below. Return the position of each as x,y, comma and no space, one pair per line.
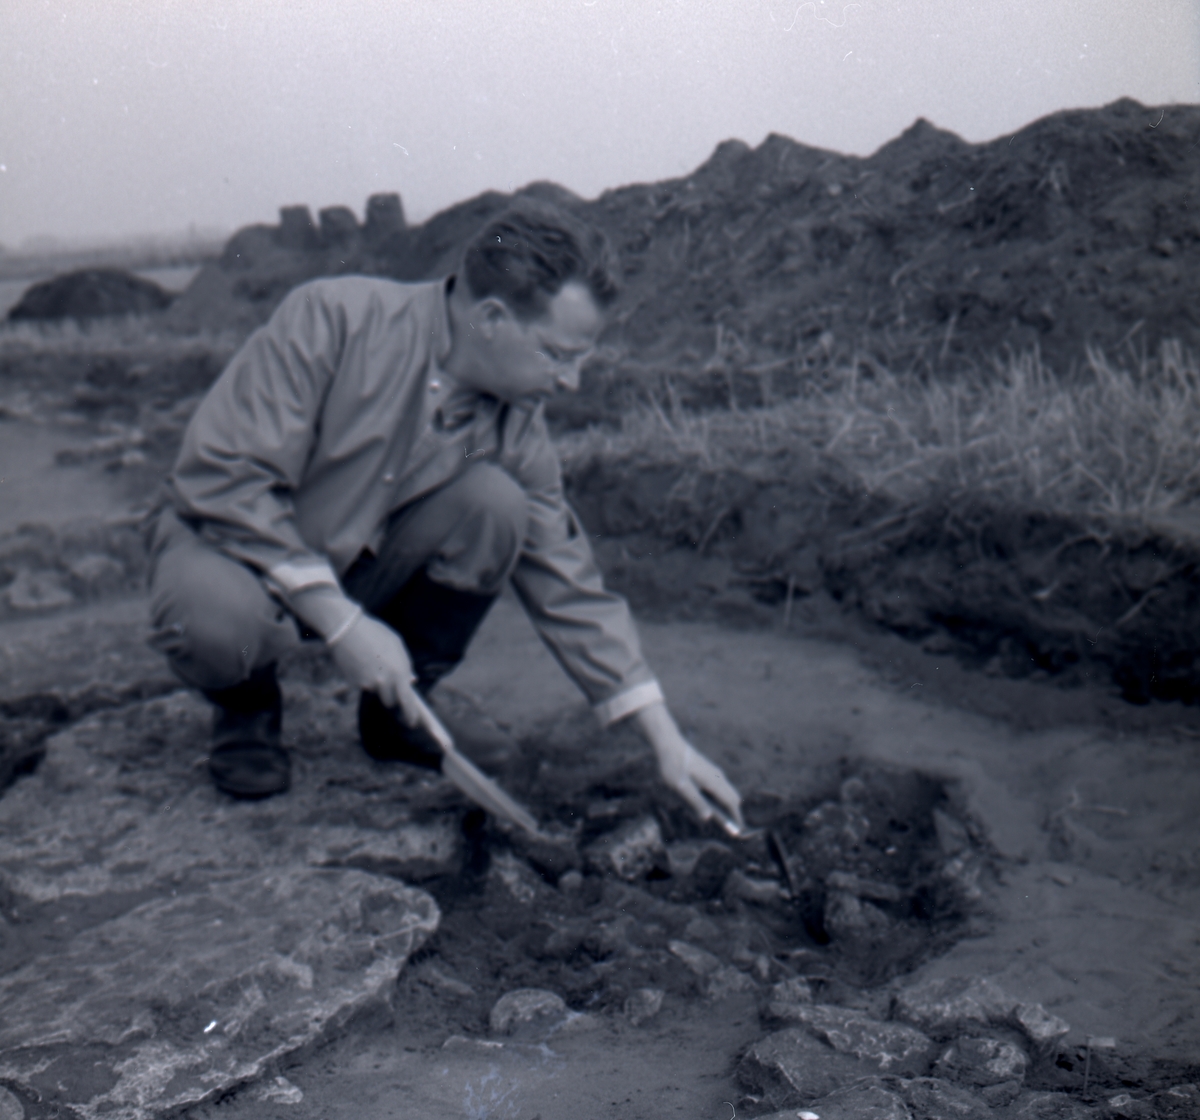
484,792
472,781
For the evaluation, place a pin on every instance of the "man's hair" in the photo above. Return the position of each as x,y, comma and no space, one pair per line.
526,254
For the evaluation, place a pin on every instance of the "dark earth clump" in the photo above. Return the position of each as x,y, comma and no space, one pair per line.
91,293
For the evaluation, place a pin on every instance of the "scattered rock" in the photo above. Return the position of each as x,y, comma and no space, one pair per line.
791,1067
998,1096
1050,1106
37,591
632,851
1039,1026
1180,1102
700,961
982,1061
516,878
553,853
863,888
527,1008
849,918
430,974
947,1007
786,998
889,1047
726,981
762,891
1125,1106
700,867
931,1098
865,1100
279,1090
570,881
412,850
190,994
643,1004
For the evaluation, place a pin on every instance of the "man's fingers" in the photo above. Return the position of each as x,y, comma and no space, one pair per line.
688,790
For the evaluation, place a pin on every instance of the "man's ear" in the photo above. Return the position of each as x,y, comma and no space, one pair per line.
490,313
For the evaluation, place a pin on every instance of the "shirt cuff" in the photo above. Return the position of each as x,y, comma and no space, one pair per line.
297,575
626,703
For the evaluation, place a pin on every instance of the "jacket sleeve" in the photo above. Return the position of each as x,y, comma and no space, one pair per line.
588,628
248,443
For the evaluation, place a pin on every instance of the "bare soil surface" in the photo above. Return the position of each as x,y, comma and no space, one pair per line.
1078,854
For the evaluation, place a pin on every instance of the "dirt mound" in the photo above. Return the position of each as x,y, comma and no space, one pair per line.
932,252
91,293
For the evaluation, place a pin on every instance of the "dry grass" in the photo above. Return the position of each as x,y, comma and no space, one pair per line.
130,336
1114,441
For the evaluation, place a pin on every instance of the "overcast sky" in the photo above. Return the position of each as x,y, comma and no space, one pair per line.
122,117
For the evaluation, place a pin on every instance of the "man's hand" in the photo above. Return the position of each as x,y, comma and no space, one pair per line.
684,768
370,654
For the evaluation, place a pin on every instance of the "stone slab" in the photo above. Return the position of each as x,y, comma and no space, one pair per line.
192,994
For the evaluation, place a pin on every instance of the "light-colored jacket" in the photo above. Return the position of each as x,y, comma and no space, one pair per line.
328,419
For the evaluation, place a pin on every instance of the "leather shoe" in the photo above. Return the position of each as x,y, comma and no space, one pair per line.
250,769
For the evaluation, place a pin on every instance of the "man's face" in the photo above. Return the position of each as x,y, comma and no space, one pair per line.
522,363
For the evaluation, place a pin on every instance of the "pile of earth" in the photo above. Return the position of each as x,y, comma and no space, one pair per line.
931,253
90,293
1014,592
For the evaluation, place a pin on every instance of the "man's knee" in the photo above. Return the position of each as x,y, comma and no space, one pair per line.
491,515
213,619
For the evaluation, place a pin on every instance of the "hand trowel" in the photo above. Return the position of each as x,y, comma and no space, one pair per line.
472,781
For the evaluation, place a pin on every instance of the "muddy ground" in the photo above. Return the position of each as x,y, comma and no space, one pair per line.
1038,836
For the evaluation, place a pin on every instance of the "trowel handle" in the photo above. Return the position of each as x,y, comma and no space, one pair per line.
434,725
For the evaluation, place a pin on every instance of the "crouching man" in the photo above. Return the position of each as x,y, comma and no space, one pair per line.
371,467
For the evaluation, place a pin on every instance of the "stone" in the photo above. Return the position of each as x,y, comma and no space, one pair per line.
785,998
944,1008
631,852
762,891
864,1100
791,1067
700,961
1180,1102
553,853
37,591
1049,1106
413,851
570,882
526,1008
708,871
279,1090
888,1047
1002,1094
982,1061
1039,1026
727,981
190,994
643,1004
863,888
516,878
11,1107
931,1098
849,918
1125,1106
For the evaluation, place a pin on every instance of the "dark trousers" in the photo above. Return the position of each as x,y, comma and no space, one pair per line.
217,623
